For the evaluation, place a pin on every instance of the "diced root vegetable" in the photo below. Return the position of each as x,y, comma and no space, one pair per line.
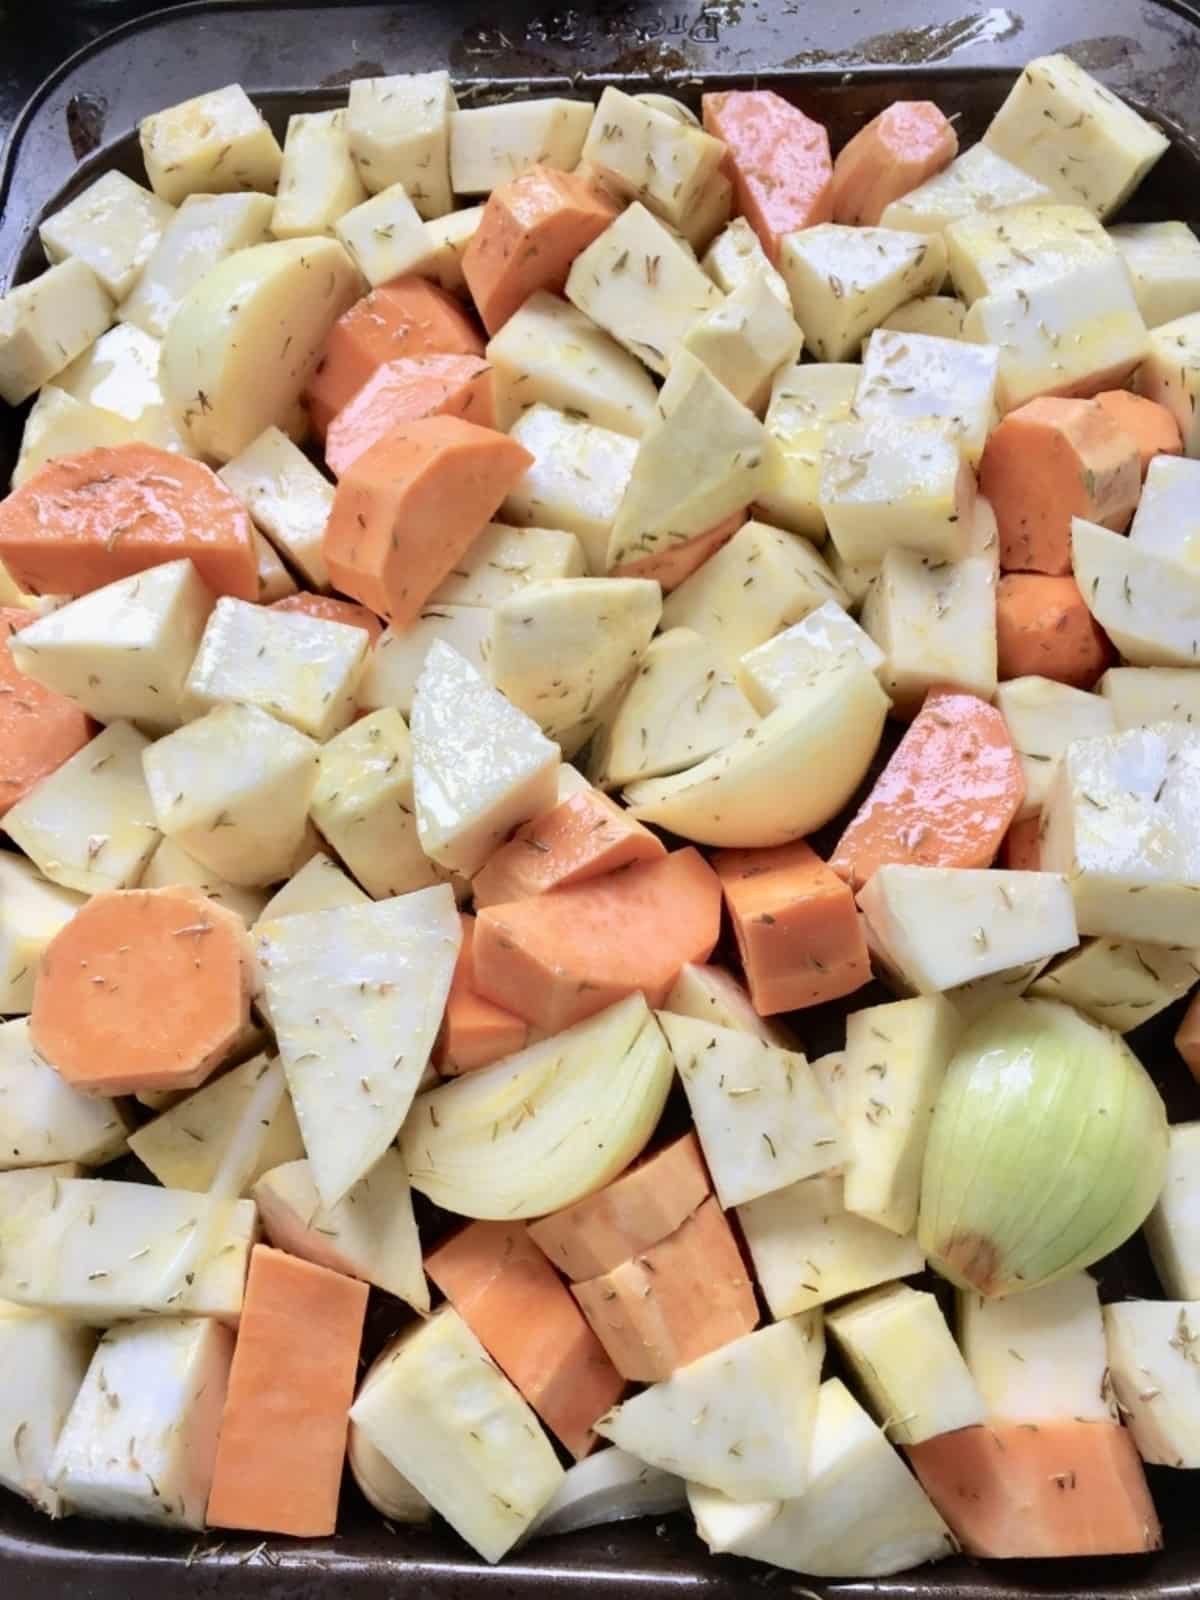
779,160
899,149
475,1031
1044,629
39,728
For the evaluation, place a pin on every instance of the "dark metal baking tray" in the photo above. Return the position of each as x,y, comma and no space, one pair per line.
842,62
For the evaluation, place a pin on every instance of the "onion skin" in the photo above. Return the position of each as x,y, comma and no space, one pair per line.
1047,1150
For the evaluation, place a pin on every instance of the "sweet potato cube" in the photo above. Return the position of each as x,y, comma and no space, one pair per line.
1044,629
897,150
1022,847
405,391
475,1031
1151,426
39,729
778,159
585,836
1187,1038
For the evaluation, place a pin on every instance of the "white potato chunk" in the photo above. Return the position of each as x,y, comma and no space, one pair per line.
1142,695
140,1442
682,707
804,401
385,236
976,180
711,995
59,425
205,229
1148,604
319,885
214,144
1120,821
887,482
371,1234
761,1116
399,131
1043,718
113,227
32,911
609,1486
232,789
356,998
491,145
1164,262
303,669
1170,374
90,825
363,804
844,281
1038,1356
119,374
748,796
578,478
1021,248
171,865
43,1360
1077,334
318,181
395,660
642,284
1167,519
645,154
451,1422
245,338
502,561
42,1118
1070,132
935,622
123,651
762,580
940,316
480,766
1120,985
739,1420
736,256
287,498
744,341
897,1345
450,235
1173,1227
937,927
768,673
914,375
46,323
1152,1351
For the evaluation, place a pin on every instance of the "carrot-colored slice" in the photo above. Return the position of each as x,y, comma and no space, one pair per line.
1044,629
1022,847
39,729
897,150
585,836
404,391
1151,426
778,159
475,1031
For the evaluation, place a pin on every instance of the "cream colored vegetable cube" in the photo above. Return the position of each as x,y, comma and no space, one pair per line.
746,340
491,145
710,213
913,376
1167,519
758,583
1078,334
450,235
399,131
395,660
1142,695
641,283
32,911
1121,822
42,1118
936,927
804,401
769,673
648,155
232,789
1173,1227
896,1343
938,315
90,825
214,144
844,281
124,651
318,181
1070,132
385,236
59,425
205,229
170,865
711,995
887,482
1021,248
46,323
113,227
807,1249
119,374
1170,374
736,256
1120,985
682,707
577,481
320,885
1152,1351
1148,604
42,1361
1164,262
287,497
977,180
274,580
1043,718
502,561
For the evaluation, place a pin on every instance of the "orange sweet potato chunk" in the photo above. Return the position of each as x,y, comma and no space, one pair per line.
39,728
475,1032
1044,629
1151,426
1187,1038
778,160
897,150
670,567
404,391
1022,847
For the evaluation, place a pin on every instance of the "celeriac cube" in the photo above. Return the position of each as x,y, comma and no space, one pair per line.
807,1249
91,824
1164,262
978,996
363,804
170,865
399,130
736,256
1073,134
886,482
491,145
1120,821
1120,985
914,376
1167,519
1038,1356
502,561
123,651
318,181
119,374
46,323
205,229
804,401
1043,718
1153,1347
319,885
1170,374
1147,603
232,789
1142,695
938,315
844,281
450,235
140,1441
1173,1227
761,581
896,1343
977,180
641,283
578,478
762,1118
768,673
213,144
1021,248
935,622
43,1360
113,227
385,236
711,995
287,497
682,707
709,214
855,577
395,660
744,341
550,353
274,579
31,912
42,1118
302,669
645,154
59,425
936,927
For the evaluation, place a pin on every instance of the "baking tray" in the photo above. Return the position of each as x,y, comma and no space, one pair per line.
842,62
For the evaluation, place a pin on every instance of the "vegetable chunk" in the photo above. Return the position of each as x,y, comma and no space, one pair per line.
39,728
898,150
780,162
